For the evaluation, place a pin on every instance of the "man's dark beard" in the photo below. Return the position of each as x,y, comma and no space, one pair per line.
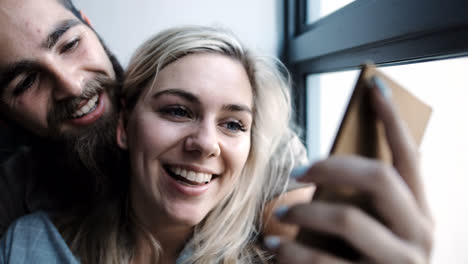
95,148
64,109
79,171
91,150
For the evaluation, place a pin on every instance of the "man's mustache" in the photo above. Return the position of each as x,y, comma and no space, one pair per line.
65,108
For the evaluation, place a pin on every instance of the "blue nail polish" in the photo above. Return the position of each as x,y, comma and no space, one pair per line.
298,172
382,86
272,242
281,211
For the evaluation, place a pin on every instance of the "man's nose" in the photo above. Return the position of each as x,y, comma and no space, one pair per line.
204,141
69,82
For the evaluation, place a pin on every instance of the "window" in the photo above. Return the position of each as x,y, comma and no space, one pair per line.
420,44
317,9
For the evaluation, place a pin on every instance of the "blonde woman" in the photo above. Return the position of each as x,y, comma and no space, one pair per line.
202,117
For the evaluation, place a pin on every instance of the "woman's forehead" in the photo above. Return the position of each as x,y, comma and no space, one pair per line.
205,74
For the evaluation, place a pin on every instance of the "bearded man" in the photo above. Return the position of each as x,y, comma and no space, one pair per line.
58,101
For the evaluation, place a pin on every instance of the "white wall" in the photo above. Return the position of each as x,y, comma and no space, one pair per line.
125,24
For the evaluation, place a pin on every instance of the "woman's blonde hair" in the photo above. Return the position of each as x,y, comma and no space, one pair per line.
229,233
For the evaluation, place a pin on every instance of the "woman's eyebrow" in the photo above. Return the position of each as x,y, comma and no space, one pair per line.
237,108
177,92
194,99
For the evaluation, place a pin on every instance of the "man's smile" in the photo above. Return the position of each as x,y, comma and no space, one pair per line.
89,111
86,106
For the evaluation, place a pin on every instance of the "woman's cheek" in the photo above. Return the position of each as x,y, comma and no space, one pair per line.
156,133
238,149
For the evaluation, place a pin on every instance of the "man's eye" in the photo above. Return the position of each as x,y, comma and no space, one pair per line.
25,84
235,126
70,45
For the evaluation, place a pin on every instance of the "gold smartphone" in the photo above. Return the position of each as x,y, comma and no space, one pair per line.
360,133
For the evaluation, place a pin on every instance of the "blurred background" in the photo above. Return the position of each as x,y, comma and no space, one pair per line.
420,44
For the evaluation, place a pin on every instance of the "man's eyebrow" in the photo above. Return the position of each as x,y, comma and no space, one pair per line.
58,31
178,92
11,71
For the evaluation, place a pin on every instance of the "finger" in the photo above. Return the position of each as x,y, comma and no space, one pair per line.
363,232
271,225
403,148
390,196
287,252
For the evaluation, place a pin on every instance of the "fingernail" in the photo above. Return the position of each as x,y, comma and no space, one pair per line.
272,242
382,86
298,172
281,211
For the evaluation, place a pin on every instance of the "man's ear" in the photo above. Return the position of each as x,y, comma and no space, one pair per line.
85,18
121,132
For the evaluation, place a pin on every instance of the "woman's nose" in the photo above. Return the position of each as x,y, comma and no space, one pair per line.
203,140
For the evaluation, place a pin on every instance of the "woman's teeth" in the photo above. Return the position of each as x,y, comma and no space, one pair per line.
192,175
87,107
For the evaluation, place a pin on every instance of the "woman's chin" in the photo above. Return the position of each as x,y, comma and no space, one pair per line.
188,216
187,220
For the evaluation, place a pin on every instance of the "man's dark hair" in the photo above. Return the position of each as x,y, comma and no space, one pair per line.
68,4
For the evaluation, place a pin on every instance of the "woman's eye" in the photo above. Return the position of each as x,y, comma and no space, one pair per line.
70,45
178,112
235,126
25,84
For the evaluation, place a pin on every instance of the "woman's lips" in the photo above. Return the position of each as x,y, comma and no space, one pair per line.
184,186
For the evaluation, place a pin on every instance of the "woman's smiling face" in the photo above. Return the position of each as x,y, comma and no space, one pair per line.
189,137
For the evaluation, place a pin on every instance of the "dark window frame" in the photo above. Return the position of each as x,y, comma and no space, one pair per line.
386,32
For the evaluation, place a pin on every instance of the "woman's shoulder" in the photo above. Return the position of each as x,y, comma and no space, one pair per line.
34,239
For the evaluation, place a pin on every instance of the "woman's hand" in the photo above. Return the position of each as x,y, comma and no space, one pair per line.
396,193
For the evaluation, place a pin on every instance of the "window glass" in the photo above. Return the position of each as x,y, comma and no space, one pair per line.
317,9
444,150
327,97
